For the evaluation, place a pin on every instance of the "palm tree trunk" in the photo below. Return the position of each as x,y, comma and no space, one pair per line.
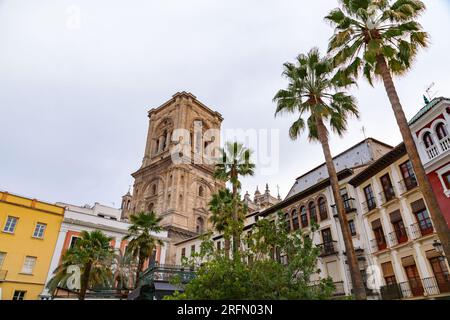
358,284
236,236
438,219
85,281
138,271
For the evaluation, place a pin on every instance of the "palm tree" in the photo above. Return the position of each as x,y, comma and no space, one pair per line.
221,213
92,253
381,39
142,242
233,163
124,268
312,90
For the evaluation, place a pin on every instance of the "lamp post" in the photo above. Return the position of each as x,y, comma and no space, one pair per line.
439,248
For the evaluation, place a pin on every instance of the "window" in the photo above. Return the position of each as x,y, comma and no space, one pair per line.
219,245
312,212
295,223
192,249
409,178
183,253
323,208
2,258
303,217
10,225
388,190
388,273
370,198
441,131
351,225
200,225
19,295
287,219
28,264
346,200
427,140
399,227
73,242
380,239
39,230
200,191
424,222
154,189
446,178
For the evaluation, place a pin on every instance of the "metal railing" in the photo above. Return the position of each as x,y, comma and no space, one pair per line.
398,236
349,206
432,152
328,248
445,143
369,205
416,287
386,196
408,184
422,228
378,244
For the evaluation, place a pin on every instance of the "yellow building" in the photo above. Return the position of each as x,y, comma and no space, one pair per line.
28,232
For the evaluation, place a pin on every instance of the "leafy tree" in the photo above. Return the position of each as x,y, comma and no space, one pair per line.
92,253
234,163
381,39
313,91
124,267
142,242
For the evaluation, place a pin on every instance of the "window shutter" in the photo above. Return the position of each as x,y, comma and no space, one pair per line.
396,216
388,269
408,261
418,206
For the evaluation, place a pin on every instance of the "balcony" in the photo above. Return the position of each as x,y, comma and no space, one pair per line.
378,244
398,236
408,184
328,248
3,274
387,195
416,287
432,152
369,205
445,144
349,206
421,229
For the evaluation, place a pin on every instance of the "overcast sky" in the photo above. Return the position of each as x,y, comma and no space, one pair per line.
74,99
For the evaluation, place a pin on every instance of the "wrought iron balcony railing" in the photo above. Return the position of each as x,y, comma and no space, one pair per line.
398,236
422,228
369,205
416,287
349,206
328,248
378,244
408,184
387,195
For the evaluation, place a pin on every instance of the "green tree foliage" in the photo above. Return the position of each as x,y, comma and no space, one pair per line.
276,265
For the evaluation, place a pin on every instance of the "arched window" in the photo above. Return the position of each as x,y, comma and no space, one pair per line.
428,140
150,207
295,224
287,218
322,209
153,189
312,212
303,217
180,199
200,191
129,204
200,225
441,131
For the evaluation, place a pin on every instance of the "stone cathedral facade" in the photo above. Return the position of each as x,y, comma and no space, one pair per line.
176,179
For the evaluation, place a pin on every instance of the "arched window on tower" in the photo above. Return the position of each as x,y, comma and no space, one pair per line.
322,209
153,189
201,191
428,140
150,207
441,131
200,225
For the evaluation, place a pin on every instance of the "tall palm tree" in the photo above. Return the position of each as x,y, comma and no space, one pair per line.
142,242
233,164
92,253
381,39
312,90
221,213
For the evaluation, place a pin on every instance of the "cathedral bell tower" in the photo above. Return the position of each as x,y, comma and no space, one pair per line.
176,179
